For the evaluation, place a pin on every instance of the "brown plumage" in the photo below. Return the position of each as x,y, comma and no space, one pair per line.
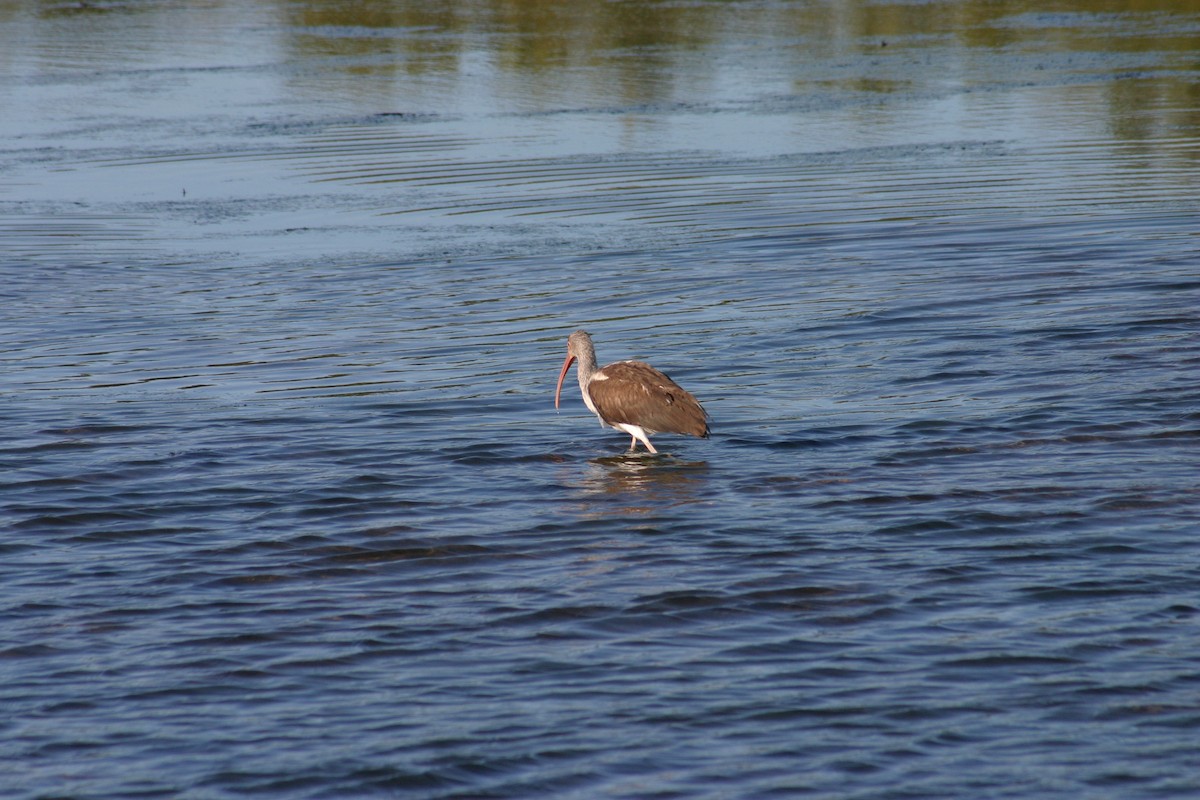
632,396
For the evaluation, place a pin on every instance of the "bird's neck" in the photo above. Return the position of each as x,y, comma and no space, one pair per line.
585,366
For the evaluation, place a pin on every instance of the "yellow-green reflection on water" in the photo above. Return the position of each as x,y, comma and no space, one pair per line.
531,55
518,112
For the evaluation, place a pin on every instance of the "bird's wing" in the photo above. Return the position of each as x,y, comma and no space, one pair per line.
635,393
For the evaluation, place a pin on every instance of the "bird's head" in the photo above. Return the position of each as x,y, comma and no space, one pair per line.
578,344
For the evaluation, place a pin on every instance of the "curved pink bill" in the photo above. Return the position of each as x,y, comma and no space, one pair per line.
561,375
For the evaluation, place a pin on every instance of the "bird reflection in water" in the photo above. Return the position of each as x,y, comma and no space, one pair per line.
641,484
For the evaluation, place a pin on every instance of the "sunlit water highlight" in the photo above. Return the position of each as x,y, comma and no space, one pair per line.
288,511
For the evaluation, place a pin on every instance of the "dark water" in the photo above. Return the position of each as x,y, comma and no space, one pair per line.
287,510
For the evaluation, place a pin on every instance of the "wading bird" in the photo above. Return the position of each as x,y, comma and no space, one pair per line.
632,396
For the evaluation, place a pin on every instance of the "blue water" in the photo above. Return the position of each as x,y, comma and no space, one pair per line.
287,510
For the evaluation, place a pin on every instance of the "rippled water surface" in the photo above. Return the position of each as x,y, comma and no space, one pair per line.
287,510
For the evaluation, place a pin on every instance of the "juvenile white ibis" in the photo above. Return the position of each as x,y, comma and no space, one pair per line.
632,396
